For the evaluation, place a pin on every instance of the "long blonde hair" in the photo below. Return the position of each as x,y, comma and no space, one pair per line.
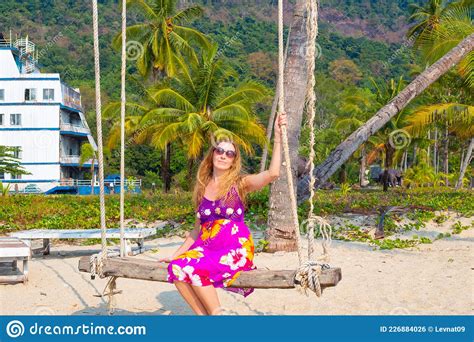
233,176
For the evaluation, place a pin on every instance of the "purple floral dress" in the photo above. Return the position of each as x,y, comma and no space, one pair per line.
223,248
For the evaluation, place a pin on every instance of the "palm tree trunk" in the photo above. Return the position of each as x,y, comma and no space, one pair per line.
465,163
189,175
446,154
280,231
363,166
271,120
389,153
92,176
435,150
428,154
166,172
342,152
343,174
415,150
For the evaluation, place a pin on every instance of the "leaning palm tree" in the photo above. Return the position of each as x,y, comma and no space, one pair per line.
163,40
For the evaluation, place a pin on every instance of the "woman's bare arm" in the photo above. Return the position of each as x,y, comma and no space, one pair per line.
257,181
192,236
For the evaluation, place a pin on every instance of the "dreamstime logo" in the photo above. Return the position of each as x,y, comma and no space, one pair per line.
134,50
399,139
45,140
399,311
218,136
44,311
318,52
15,329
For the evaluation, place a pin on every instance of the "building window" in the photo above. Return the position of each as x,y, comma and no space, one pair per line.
1,119
2,94
48,94
17,152
2,175
30,94
15,119
14,176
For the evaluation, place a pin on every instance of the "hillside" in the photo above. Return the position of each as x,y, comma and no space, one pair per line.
368,33
63,30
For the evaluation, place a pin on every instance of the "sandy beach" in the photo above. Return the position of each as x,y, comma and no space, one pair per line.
429,279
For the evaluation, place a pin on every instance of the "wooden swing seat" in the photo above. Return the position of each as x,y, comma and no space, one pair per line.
134,268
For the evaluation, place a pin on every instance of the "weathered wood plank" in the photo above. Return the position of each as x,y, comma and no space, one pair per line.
152,270
112,233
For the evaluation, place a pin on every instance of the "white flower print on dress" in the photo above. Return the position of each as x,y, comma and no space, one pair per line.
207,212
229,211
198,215
186,274
239,211
235,259
226,275
235,229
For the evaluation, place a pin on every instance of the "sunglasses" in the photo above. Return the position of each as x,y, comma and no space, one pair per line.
220,151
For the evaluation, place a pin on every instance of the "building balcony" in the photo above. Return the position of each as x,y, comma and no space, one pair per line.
71,97
73,129
73,160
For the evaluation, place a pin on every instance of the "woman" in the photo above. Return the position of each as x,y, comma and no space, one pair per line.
221,245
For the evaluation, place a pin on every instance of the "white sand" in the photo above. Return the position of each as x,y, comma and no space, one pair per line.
430,279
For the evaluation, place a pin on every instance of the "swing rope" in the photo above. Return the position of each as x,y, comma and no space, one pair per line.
96,261
307,275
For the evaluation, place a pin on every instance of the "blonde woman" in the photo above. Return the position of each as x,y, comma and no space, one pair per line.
221,246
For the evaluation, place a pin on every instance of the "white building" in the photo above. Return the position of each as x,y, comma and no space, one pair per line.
43,117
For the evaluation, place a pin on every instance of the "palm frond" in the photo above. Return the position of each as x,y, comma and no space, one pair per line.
169,97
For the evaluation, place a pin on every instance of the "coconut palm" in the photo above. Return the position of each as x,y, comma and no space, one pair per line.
163,40
195,105
427,17
453,118
192,107
453,24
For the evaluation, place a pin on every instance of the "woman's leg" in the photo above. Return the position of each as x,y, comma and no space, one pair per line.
208,296
187,291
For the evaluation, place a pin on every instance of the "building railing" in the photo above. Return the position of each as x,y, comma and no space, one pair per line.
73,128
88,182
28,53
72,159
71,97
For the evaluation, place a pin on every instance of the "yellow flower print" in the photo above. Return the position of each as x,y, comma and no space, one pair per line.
209,231
248,245
195,253
228,282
